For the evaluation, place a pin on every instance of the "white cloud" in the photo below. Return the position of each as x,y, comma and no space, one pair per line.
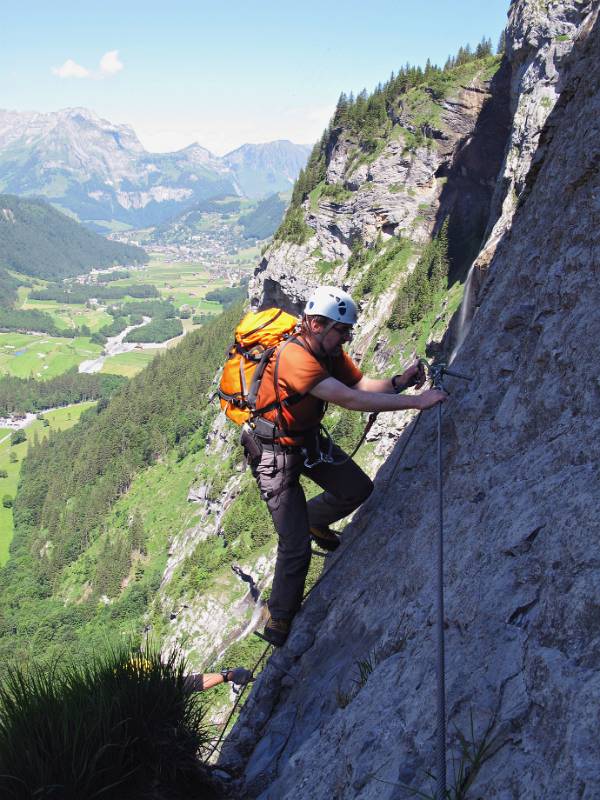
110,63
71,69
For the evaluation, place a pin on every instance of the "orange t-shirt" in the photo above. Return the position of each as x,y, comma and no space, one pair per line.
299,372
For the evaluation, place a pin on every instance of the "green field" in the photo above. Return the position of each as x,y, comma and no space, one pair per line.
250,255
128,364
41,356
72,315
67,316
60,419
181,282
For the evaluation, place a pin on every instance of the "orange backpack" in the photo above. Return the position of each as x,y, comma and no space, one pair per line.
256,339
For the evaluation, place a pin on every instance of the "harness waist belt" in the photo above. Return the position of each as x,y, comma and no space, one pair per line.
282,448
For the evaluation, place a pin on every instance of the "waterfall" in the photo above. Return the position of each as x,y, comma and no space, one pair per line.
465,315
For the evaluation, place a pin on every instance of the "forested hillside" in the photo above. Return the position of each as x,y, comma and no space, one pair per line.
264,220
68,486
28,394
8,288
37,240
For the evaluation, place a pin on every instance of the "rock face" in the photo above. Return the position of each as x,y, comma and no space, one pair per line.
403,191
353,715
538,37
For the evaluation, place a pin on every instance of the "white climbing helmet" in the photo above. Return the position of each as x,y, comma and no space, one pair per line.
333,303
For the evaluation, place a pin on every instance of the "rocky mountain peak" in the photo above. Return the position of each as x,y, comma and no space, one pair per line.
195,152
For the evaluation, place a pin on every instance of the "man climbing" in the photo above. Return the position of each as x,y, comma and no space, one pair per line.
305,374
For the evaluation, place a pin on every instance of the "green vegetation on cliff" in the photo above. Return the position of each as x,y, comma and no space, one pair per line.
417,294
410,102
121,725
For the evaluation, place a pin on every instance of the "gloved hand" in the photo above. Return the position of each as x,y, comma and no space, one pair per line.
414,375
239,676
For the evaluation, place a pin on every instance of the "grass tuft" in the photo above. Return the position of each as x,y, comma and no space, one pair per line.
473,752
122,725
364,667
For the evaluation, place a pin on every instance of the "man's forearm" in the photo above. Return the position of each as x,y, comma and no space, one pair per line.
378,401
374,385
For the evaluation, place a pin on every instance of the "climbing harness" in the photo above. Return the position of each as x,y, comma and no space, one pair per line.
316,455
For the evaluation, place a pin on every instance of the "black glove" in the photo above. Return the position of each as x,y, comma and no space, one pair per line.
240,676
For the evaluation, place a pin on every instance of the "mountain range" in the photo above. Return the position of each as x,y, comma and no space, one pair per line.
100,173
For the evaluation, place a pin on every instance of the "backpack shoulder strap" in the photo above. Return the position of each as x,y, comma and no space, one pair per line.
278,402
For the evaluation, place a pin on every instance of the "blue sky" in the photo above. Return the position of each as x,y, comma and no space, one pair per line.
222,75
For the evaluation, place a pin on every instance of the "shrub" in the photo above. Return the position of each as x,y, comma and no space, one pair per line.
336,192
7,501
294,228
121,726
3,473
18,436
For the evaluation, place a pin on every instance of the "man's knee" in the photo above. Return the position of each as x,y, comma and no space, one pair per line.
365,489
356,491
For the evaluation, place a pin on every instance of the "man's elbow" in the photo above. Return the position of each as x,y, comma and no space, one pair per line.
350,401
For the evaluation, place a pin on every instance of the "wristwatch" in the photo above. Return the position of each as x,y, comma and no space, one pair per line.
396,385
225,675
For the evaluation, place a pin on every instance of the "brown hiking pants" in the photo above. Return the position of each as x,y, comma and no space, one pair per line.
277,473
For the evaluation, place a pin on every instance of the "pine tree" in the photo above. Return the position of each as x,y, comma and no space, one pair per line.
340,117
439,265
501,48
137,534
484,48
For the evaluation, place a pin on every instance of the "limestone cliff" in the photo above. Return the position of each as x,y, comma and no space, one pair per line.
347,708
437,159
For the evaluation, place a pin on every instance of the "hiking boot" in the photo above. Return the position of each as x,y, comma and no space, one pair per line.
325,538
276,631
